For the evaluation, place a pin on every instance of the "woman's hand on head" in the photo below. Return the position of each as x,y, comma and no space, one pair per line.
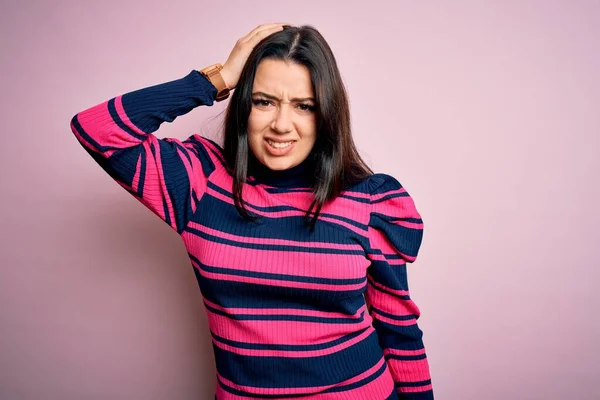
232,69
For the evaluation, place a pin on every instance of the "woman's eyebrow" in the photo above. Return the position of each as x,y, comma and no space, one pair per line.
271,97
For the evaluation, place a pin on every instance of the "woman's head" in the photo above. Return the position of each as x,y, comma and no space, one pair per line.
290,103
282,125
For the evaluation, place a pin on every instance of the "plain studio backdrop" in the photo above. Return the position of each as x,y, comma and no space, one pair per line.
486,111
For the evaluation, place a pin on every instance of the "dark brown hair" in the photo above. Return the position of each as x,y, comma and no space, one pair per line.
336,160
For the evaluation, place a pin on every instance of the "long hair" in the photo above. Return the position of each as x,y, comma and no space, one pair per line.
336,159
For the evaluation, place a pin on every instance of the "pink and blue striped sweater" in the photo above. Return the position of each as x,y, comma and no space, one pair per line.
319,315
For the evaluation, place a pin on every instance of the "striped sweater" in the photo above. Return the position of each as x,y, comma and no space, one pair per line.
323,314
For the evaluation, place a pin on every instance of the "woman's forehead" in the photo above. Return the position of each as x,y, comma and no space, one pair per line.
283,79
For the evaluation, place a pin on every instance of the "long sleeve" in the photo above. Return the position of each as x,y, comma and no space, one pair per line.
166,175
395,234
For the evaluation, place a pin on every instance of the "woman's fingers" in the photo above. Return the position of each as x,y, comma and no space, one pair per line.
265,29
232,68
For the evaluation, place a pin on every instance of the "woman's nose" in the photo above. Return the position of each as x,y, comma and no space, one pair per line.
282,122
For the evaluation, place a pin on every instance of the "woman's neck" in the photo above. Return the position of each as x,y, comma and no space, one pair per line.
301,175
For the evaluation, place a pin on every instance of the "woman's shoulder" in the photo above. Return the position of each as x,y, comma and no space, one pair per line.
375,184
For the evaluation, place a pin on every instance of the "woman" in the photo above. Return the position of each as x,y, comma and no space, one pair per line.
300,251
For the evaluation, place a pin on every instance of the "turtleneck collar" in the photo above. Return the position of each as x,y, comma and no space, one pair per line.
302,175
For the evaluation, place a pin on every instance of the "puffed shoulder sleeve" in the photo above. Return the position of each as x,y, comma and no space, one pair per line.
395,235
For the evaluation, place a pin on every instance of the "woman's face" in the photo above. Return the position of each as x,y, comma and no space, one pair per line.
282,122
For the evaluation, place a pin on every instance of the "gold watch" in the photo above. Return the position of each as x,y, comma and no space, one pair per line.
213,74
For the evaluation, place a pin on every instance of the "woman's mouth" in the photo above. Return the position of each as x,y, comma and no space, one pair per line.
279,145
279,148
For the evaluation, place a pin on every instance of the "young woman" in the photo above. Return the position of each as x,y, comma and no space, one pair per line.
300,251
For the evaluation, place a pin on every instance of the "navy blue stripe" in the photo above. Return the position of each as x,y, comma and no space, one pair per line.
149,107
242,393
181,148
393,316
413,384
409,337
112,109
285,228
272,247
288,347
382,183
389,218
289,317
387,256
406,358
231,294
357,199
276,190
201,151
281,277
177,182
287,208
390,196
252,370
142,179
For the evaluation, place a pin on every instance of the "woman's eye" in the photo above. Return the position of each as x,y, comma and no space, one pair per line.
259,102
306,107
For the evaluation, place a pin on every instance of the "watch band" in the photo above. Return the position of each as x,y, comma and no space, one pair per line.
213,74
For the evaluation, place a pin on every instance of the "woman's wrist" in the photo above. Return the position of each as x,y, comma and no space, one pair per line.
227,78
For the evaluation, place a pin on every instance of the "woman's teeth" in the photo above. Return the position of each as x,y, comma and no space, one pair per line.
278,145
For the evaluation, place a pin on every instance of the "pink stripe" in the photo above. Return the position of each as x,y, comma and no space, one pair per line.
281,332
379,240
84,142
136,176
270,241
293,354
340,207
415,389
398,352
394,291
381,257
100,126
396,209
260,198
357,194
283,214
410,371
390,321
391,304
408,224
285,311
277,283
285,262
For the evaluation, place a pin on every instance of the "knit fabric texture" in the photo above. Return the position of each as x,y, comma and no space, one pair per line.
321,314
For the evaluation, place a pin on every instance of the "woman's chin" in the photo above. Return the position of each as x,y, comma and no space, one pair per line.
279,164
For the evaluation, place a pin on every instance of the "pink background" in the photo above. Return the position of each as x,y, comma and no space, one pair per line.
486,111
